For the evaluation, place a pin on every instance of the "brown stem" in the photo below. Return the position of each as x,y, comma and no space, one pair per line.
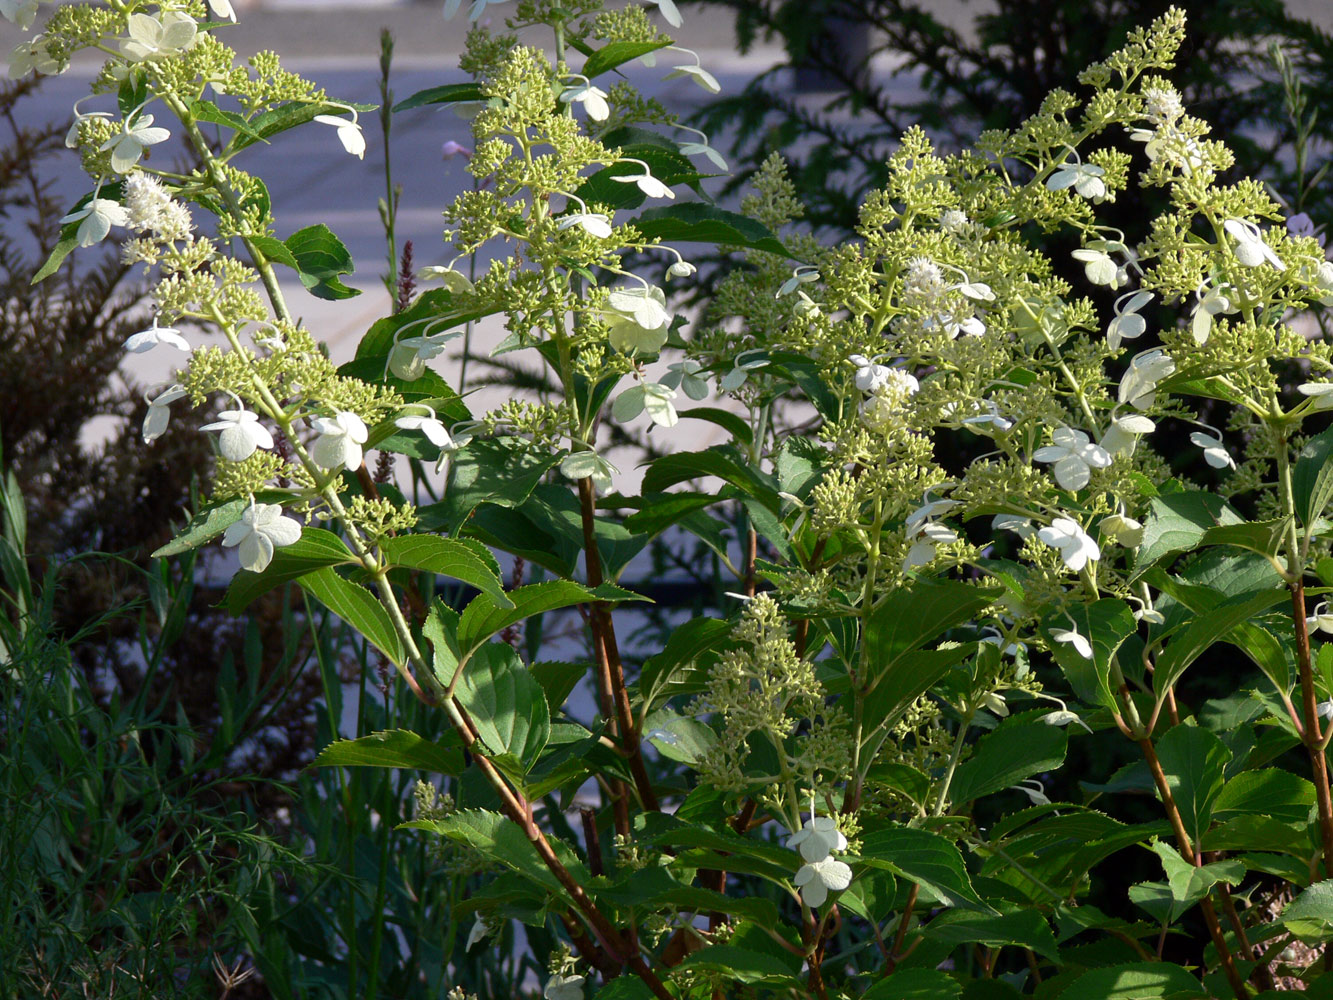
1033,965
1187,851
896,952
1262,976
1311,736
611,670
589,818
751,556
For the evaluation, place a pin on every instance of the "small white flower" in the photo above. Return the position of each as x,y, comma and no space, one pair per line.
745,363
703,149
222,8
818,838
151,207
1128,324
1138,386
970,326
681,269
801,276
648,184
240,434
455,281
1006,648
349,133
1074,455
564,988
339,442
1323,279
1074,638
261,529
1122,437
589,465
592,98
435,431
684,375
637,319
450,149
1122,530
21,12
928,511
954,221
159,412
1098,266
1020,526
479,932
408,357
137,133
924,538
1250,248
699,75
989,416
1324,709
151,38
670,13
1321,393
994,702
96,219
592,223
817,879
1034,790
1085,178
1064,717
146,340
1213,451
1322,618
870,376
1209,303
650,396
1076,546
33,56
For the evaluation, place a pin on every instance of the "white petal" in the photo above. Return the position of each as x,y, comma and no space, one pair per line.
256,552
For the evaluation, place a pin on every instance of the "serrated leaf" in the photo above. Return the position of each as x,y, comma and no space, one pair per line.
614,54
1177,522
1106,624
1022,929
1205,630
1136,981
358,608
505,704
315,549
458,558
269,123
1310,915
924,857
1194,761
393,748
321,259
1312,477
483,617
206,111
1016,749
698,222
450,93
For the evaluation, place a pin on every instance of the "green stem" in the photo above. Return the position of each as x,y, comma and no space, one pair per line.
955,755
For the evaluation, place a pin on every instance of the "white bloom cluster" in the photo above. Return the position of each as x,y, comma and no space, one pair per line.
822,873
152,209
887,391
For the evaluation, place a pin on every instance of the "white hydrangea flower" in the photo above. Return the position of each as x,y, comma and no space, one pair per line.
455,281
1138,386
1064,717
1098,265
431,426
699,75
1323,279
1122,529
923,282
408,357
592,223
648,184
993,701
801,276
240,434
1162,105
95,220
34,55
684,375
929,510
1128,324
703,149
479,932
1321,619
870,375
1122,437
349,133
1320,393
988,415
1034,790
137,133
1214,453
1019,525
261,529
744,363
21,12
924,538
1073,637
681,269
816,879
883,408
222,8
1076,546
155,336
158,417
637,319
1084,178
818,838
1210,302
954,221
589,465
652,397
1074,455
151,38
592,98
338,445
1250,248
151,208
670,13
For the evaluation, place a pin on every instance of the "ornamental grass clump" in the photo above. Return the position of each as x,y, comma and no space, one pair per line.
958,545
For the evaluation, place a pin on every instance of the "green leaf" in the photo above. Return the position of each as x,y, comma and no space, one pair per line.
483,616
498,838
502,472
204,527
394,748
315,549
1022,929
698,222
1016,749
358,608
1177,522
450,93
1310,915
733,423
693,640
69,240
738,964
614,54
678,737
1270,792
723,461
1106,624
915,984
1204,630
320,259
1136,981
507,707
269,123
459,558
206,111
558,680
912,674
924,857
1194,761
1312,478
1189,883
1269,653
